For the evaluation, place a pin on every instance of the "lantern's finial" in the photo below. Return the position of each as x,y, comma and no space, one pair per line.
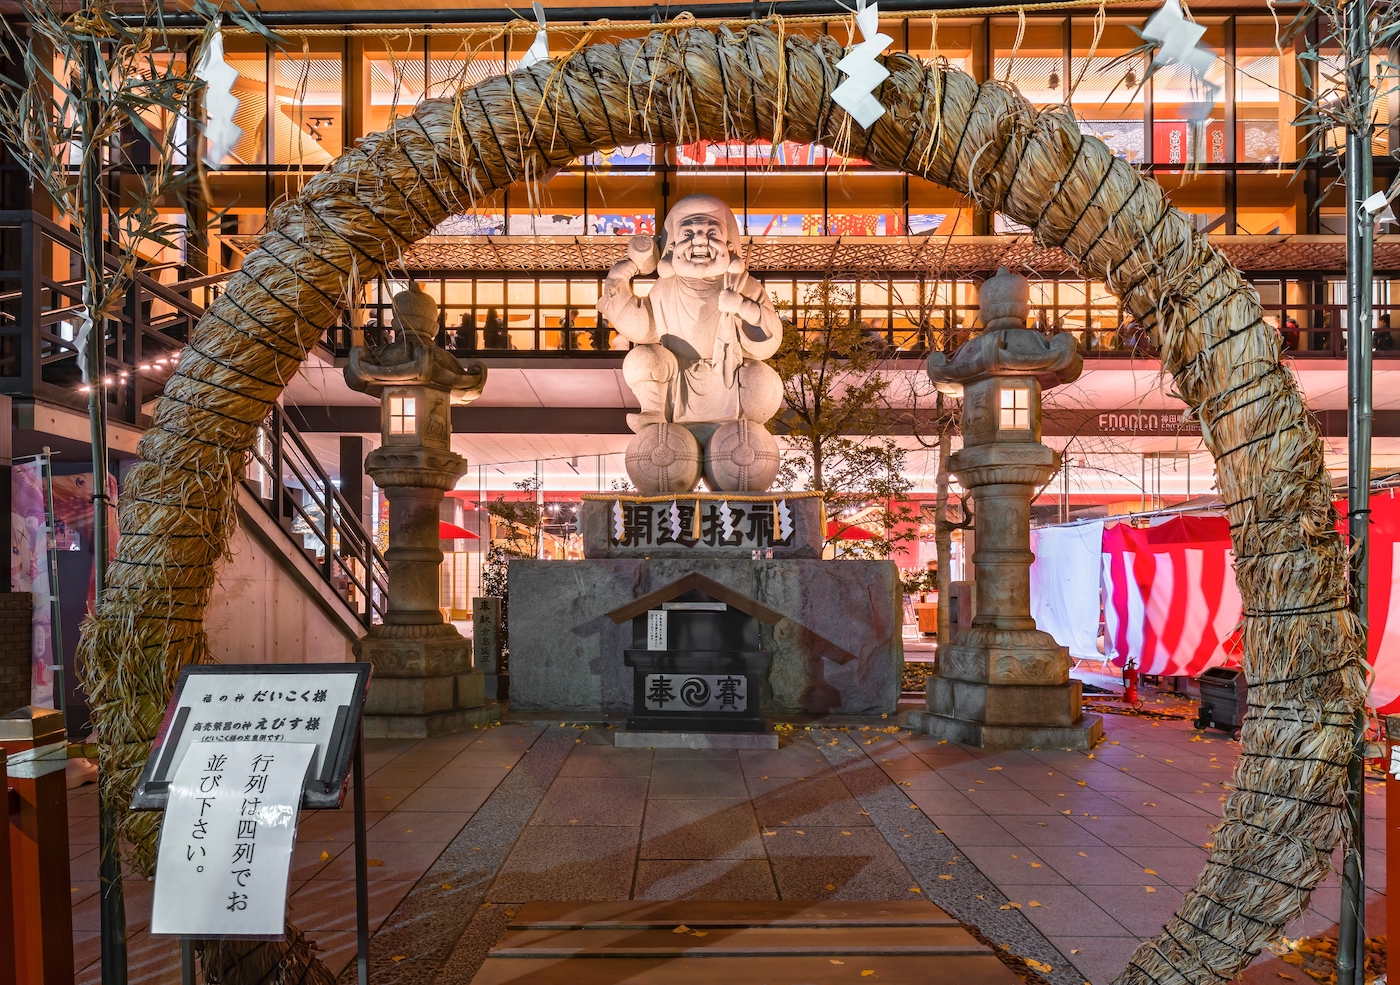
1004,301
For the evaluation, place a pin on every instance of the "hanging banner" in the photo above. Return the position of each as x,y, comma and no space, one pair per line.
1064,582
31,572
1383,642
1170,600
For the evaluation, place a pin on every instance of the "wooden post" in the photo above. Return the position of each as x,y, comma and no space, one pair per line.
38,846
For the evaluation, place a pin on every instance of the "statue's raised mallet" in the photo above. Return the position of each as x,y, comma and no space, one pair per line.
643,251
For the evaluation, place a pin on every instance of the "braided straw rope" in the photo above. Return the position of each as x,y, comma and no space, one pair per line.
1303,651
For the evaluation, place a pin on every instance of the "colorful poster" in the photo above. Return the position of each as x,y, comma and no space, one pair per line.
30,571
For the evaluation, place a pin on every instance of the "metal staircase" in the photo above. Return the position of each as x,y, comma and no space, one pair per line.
288,481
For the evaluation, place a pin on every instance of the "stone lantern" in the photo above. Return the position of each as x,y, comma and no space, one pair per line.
424,683
1002,682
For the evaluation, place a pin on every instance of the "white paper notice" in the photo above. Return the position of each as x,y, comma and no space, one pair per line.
656,629
226,841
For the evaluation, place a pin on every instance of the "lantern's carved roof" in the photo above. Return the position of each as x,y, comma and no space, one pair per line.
1011,352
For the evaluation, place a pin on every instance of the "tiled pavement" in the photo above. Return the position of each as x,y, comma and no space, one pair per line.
1094,850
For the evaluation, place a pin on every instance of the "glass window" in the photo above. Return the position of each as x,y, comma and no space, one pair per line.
1188,111
1107,93
403,415
308,111
1015,408
1037,66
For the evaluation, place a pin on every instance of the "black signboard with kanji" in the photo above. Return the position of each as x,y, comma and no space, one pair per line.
265,705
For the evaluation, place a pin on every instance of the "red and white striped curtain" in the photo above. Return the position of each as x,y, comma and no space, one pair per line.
1170,601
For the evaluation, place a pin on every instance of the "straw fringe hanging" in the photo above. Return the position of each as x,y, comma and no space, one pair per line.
1303,653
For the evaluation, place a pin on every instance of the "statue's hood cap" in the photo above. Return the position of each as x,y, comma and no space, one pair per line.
701,205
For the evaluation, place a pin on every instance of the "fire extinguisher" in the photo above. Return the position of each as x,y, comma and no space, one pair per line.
1130,683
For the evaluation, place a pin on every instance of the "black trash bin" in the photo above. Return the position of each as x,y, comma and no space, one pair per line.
1224,699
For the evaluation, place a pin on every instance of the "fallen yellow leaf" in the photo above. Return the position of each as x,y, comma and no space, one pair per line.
1150,872
945,877
830,887
835,962
682,929
1082,783
1083,854
325,855
447,885
1034,903
1035,865
870,971
374,861
1150,889
915,889
400,957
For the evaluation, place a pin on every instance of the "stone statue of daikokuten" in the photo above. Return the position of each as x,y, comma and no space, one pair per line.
700,338
413,358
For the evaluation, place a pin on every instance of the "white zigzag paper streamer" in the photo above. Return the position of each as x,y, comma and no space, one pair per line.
221,134
675,518
82,336
619,526
726,521
863,73
1176,38
784,520
539,50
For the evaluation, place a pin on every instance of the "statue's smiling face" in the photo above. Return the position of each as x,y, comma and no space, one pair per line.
702,247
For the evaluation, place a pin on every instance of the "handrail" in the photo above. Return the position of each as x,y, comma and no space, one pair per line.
299,495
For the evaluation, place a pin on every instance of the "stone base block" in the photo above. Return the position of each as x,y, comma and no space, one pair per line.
1005,704
421,687
1083,734
995,656
442,653
629,739
428,726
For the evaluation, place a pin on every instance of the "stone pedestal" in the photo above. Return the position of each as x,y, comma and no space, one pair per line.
1002,682
423,686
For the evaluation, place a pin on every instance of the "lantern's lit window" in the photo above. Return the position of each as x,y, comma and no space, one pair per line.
1015,408
403,415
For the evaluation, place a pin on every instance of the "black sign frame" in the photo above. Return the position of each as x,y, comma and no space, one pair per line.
325,791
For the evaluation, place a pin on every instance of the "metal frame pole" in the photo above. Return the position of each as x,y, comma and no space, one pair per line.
1351,953
361,861
112,903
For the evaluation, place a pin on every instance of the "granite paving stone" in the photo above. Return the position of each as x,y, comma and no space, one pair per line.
569,863
607,761
586,800
708,879
824,801
1059,911
1010,866
701,829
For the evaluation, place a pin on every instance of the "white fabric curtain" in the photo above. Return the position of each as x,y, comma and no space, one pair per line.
1065,585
